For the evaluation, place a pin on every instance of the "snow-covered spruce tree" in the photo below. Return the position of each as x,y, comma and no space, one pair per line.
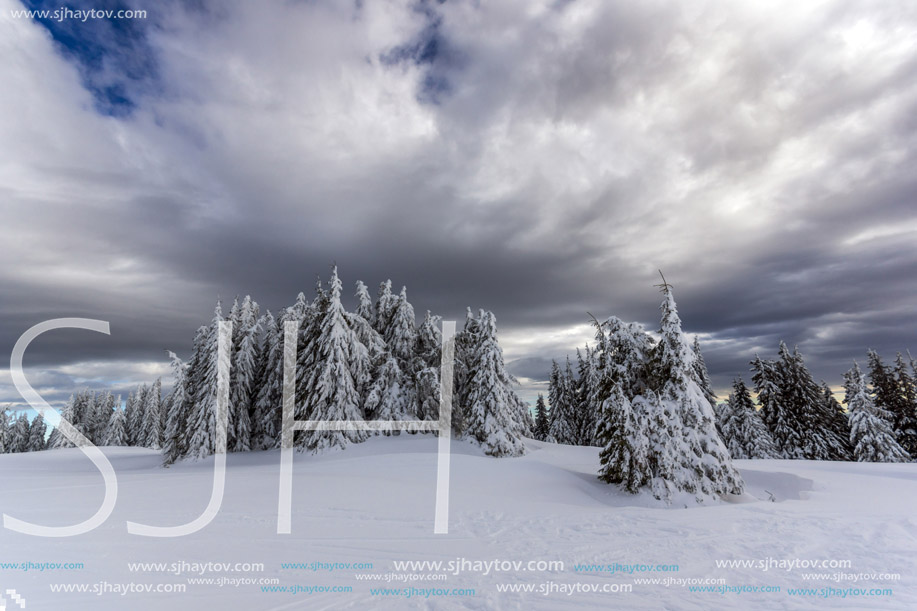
37,431
888,398
765,377
386,302
246,330
801,397
21,430
541,419
136,401
466,347
365,308
72,414
907,402
202,419
702,377
4,430
175,437
622,434
116,435
837,424
871,435
695,461
331,389
426,368
586,412
268,390
620,431
491,410
389,397
151,426
562,428
743,430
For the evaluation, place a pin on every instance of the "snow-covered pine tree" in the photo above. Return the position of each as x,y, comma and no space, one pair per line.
56,439
175,437
393,398
801,397
585,412
541,419
491,411
836,423
365,308
561,428
389,398
426,367
888,399
135,415
330,390
620,431
4,430
386,302
466,347
151,426
743,430
246,330
622,435
202,419
21,430
263,427
871,435
783,430
37,431
701,376
400,334
105,405
906,405
701,463
116,435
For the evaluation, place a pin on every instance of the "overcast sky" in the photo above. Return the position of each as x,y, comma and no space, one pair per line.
539,159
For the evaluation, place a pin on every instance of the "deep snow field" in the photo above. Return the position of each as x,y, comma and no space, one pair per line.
373,504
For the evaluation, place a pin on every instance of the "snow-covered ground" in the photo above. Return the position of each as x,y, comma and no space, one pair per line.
374,504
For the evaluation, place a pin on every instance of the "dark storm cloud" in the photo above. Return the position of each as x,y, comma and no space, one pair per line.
540,161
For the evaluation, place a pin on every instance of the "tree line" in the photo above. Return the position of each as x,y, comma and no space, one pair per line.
375,363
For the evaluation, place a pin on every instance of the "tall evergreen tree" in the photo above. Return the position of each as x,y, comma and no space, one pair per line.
837,424
151,427
743,430
562,428
695,461
331,389
365,308
426,368
906,406
116,435
37,431
491,416
246,330
202,419
870,434
541,418
700,374
175,436
21,434
5,432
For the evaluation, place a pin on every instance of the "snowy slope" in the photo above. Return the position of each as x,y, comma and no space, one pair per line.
373,503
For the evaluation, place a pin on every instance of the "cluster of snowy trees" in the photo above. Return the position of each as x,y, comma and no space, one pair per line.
375,363
19,434
647,405
103,421
799,418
